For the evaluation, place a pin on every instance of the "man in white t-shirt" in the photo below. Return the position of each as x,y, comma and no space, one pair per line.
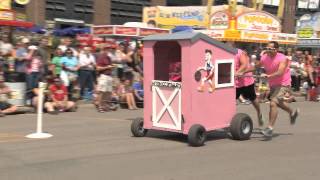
5,46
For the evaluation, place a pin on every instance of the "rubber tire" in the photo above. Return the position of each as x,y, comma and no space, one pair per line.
197,135
236,126
137,129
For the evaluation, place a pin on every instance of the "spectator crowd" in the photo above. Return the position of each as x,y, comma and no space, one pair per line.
109,76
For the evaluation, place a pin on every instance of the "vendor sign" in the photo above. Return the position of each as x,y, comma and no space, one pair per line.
255,35
7,15
216,34
232,34
169,17
283,37
102,30
309,43
117,30
128,31
5,4
258,21
148,31
219,20
309,26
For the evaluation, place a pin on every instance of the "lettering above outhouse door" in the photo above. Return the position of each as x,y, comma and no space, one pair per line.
166,105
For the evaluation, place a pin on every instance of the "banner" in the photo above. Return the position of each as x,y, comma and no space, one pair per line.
147,31
118,30
309,26
250,36
258,21
5,4
7,15
102,30
219,20
170,17
128,31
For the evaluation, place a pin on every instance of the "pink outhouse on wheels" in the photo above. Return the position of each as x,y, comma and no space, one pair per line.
189,88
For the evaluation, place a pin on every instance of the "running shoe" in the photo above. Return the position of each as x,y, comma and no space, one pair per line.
267,132
293,117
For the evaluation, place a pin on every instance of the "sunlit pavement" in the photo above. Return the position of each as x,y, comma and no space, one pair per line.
90,145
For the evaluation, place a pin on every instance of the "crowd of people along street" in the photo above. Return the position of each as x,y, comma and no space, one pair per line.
111,77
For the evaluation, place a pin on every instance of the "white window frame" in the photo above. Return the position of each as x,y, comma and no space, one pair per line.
216,73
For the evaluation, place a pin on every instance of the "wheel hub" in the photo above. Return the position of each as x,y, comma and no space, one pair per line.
245,127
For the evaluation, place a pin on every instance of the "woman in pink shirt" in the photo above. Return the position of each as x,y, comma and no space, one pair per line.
278,74
34,64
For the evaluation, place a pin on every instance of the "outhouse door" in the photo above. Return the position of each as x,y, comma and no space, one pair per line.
166,105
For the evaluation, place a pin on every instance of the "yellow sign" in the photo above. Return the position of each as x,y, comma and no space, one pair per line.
232,34
305,32
170,17
5,4
22,2
255,35
6,15
258,21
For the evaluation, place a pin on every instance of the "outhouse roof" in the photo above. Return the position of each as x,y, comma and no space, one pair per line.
193,37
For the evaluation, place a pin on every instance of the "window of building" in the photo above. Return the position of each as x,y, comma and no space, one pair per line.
271,2
308,4
78,8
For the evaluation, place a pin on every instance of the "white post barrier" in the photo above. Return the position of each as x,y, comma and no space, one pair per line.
39,134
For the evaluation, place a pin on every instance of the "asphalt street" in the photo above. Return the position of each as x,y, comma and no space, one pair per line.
92,146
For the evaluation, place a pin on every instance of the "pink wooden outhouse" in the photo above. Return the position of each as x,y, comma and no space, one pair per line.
189,87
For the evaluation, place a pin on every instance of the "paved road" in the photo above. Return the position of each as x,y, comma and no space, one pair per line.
87,145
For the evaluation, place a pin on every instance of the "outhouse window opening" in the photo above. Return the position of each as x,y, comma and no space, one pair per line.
225,73
167,61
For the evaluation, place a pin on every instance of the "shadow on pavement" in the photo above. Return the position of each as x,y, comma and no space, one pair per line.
179,137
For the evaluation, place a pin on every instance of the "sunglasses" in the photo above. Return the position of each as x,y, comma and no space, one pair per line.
269,49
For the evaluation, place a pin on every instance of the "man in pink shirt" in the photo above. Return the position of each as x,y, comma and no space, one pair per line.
277,70
245,82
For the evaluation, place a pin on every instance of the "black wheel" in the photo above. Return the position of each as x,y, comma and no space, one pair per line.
197,135
137,128
241,127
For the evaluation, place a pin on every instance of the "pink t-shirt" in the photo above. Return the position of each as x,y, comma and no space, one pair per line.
34,65
242,81
271,65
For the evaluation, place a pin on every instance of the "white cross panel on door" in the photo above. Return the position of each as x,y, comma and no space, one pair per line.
175,116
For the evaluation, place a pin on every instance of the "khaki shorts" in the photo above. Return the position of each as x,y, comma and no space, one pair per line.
104,83
278,93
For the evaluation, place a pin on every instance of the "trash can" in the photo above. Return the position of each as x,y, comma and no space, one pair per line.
17,96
